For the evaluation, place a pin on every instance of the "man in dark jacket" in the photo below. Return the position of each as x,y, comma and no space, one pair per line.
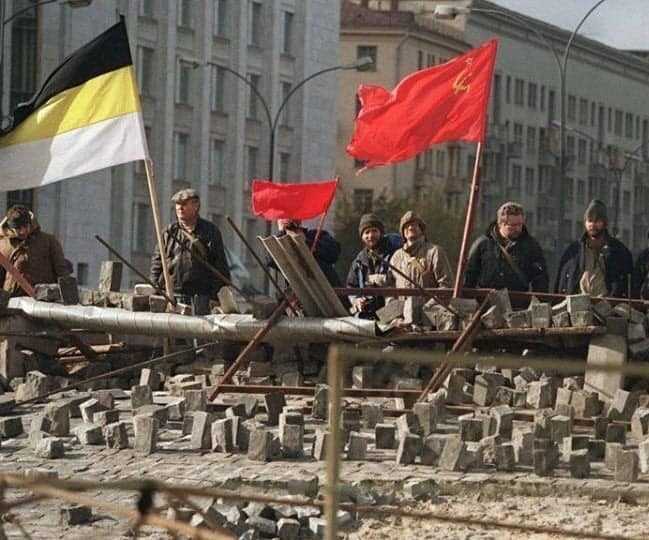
641,275
507,256
596,264
370,267
326,252
188,241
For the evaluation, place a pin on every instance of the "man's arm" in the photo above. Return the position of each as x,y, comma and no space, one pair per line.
562,263
217,254
538,273
59,265
441,268
155,272
327,249
473,265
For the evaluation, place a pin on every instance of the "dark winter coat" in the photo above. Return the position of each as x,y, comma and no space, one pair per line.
488,268
188,275
39,258
366,264
618,263
641,275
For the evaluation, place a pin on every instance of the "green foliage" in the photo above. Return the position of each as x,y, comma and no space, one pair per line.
442,227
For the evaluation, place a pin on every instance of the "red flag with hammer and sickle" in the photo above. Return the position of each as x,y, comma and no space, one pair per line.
438,104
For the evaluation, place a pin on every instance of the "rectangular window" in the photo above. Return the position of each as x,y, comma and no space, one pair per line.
254,26
420,59
183,83
581,192
23,58
284,162
287,41
368,51
610,120
430,60
428,160
142,224
146,8
618,123
583,112
516,178
362,200
251,169
581,151
286,113
592,188
220,27
593,114
181,149
440,159
542,99
572,108
140,167
529,181
531,95
508,90
217,162
253,106
82,274
184,8
217,88
519,92
145,70
251,236
628,125
570,147
531,140
518,132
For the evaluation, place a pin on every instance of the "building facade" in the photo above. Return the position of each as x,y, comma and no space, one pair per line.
607,125
206,129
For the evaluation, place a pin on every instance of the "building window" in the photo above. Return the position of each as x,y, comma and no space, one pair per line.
420,59
371,51
140,167
145,70
583,112
581,192
142,224
542,98
284,162
363,199
572,108
618,123
23,58
181,148
251,236
217,88
254,18
440,159
508,90
570,147
252,96
220,18
581,151
287,41
146,8
183,83
531,140
251,162
531,95
516,178
593,114
519,92
529,181
628,125
286,113
592,188
184,13
23,197
82,274
217,162
430,60
518,132
610,120
428,160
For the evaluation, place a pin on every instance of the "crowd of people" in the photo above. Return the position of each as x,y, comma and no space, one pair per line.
505,256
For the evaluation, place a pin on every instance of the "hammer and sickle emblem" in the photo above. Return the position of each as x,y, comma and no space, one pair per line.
461,83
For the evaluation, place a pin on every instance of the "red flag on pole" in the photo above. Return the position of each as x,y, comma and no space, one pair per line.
434,105
292,201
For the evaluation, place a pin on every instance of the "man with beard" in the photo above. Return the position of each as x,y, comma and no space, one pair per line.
507,256
597,264
371,266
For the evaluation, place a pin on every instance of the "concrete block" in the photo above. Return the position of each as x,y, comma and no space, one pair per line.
141,395
539,395
110,276
115,436
105,399
523,442
320,407
518,319
581,319
543,462
471,427
643,456
134,302
600,425
50,448
579,463
610,454
103,418
596,449
357,448
292,440
505,457
69,290
201,434
560,427
504,417
11,427
408,449
274,404
541,315
260,445
58,415
578,302
573,443
195,400
222,440
250,404
288,529
431,451
484,391
454,456
609,350
640,424
385,436
427,414
146,434
371,414
75,515
47,292
89,434
616,433
408,423
493,318
159,412
586,404
626,466
622,406
502,300
320,445
150,378
176,410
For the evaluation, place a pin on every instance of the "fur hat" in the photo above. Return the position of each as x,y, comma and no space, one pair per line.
370,220
409,217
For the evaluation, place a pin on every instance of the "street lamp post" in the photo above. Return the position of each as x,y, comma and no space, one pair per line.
450,12
6,21
273,121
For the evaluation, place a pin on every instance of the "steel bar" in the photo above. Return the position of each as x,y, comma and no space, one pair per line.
309,391
334,446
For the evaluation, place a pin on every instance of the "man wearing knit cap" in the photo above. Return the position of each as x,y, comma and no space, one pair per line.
371,266
596,264
425,263
507,256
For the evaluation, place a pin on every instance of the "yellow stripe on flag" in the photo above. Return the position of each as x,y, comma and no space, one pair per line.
107,96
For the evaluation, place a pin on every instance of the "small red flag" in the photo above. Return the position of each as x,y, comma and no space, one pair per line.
292,201
434,105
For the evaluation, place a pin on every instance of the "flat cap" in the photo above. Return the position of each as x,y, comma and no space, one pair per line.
185,195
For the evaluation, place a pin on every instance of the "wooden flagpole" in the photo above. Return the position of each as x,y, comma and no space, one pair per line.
158,228
468,222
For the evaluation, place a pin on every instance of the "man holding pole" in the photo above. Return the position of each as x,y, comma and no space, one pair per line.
189,244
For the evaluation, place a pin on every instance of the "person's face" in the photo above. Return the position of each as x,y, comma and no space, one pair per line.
595,228
187,211
412,231
22,232
371,237
511,227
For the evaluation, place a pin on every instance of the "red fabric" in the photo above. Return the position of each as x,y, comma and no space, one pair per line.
434,105
291,201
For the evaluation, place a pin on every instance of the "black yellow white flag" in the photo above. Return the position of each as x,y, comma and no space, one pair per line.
87,116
